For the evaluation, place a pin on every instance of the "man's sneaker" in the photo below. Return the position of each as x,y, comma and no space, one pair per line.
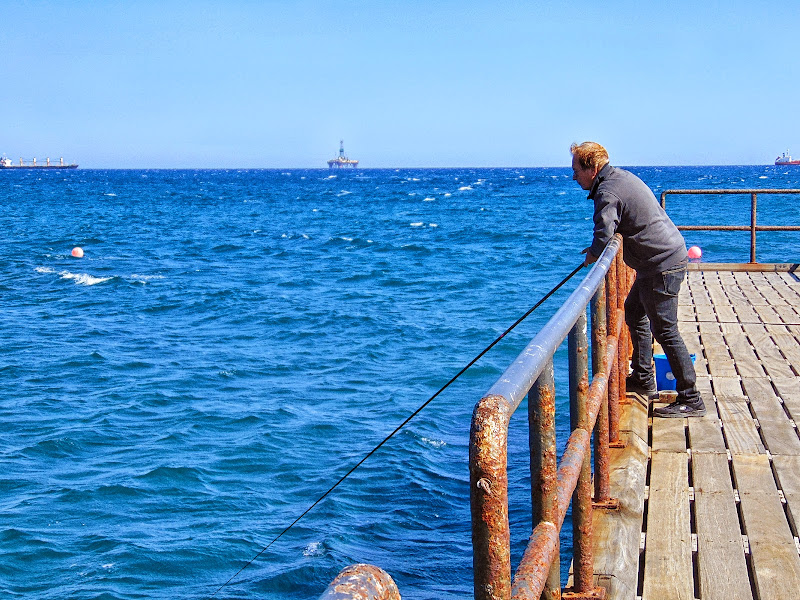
681,409
648,391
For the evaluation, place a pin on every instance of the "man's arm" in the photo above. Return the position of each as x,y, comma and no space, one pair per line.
606,221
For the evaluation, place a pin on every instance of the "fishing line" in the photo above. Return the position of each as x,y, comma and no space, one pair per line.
403,424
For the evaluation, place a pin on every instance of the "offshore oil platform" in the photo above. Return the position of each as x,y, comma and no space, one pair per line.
341,161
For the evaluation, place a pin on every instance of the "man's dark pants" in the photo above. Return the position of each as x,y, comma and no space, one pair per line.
652,305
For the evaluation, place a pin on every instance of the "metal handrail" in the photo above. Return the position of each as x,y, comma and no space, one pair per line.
605,287
752,228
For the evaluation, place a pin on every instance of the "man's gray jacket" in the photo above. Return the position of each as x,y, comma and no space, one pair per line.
624,204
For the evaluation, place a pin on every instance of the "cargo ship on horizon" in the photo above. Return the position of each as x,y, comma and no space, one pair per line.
785,159
7,163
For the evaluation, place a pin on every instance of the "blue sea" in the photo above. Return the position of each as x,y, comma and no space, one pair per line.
233,342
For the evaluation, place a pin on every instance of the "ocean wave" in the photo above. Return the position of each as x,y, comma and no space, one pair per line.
223,248
83,278
433,443
315,549
145,278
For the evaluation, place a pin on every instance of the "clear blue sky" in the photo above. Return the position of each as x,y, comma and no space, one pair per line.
415,83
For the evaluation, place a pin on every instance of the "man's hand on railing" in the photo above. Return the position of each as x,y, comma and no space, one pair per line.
590,258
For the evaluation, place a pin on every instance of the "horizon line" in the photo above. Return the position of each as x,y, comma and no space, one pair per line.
351,170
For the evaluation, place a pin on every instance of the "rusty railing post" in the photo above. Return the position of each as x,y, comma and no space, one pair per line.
622,350
544,465
488,494
601,435
583,562
752,228
612,320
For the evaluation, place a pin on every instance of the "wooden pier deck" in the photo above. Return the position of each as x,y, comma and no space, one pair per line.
710,506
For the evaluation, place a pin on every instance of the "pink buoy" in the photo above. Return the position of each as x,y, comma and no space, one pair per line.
77,252
695,252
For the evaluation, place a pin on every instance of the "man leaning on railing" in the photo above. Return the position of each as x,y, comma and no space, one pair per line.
655,249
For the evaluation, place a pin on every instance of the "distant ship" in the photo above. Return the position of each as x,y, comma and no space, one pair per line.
341,161
786,159
6,163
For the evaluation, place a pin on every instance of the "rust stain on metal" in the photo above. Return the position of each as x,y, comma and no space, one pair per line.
489,498
362,582
549,466
531,576
609,504
570,469
598,593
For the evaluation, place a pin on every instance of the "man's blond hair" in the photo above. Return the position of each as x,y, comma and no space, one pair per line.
590,155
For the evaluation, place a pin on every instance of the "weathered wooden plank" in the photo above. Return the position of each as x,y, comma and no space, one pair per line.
669,435
787,469
763,399
703,385
668,569
789,288
705,312
720,363
719,298
790,348
731,328
765,283
744,357
788,314
776,563
767,314
744,311
720,555
739,428
706,267
748,288
774,363
691,338
705,435
789,390
709,328
725,312
694,277
728,281
779,435
617,533
685,313
728,389
700,295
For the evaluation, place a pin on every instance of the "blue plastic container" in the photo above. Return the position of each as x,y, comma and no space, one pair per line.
665,380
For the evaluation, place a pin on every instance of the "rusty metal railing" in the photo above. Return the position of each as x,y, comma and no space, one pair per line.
362,582
593,408
752,228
